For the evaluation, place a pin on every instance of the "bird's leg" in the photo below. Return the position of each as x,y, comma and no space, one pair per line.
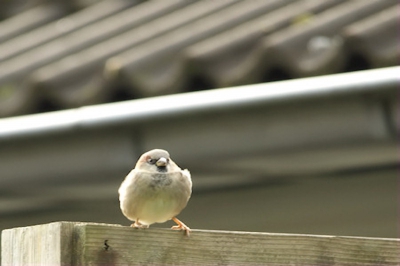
137,224
180,226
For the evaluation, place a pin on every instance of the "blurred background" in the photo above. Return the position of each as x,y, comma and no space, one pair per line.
285,112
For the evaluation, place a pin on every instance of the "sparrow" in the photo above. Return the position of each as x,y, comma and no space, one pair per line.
155,191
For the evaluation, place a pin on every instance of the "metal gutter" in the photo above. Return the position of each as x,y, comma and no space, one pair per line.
135,111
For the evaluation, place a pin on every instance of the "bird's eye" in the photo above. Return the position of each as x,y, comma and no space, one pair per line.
151,161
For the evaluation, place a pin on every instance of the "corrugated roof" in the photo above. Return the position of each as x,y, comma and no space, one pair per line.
119,50
376,38
234,56
66,28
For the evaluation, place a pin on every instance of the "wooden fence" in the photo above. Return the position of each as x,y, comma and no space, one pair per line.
76,243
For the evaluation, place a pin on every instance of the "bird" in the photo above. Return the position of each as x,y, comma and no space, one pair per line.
155,191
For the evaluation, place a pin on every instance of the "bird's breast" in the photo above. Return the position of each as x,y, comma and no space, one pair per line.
159,181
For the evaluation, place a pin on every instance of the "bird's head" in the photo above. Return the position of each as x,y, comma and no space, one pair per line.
154,160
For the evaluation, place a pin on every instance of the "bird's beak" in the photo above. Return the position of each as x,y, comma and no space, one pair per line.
162,162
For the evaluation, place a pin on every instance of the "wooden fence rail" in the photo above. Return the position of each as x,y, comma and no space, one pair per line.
76,243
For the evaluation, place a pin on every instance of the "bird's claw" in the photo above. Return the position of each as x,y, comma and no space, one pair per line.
181,226
186,229
139,225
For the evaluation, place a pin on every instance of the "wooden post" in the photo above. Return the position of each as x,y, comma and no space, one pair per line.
70,243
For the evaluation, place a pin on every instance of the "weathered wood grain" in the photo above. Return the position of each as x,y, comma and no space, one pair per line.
68,243
47,244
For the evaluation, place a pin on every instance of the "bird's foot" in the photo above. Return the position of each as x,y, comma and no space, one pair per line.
137,224
181,226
